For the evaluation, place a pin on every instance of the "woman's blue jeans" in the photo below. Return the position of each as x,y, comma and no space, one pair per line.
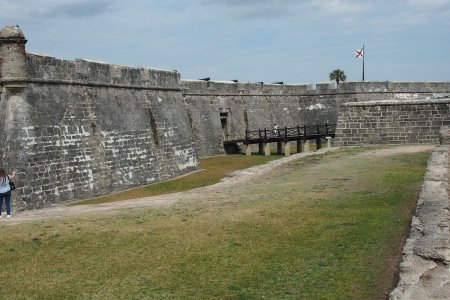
7,197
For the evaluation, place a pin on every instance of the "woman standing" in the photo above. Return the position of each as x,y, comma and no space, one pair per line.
5,191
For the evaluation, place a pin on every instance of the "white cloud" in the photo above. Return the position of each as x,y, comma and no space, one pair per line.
255,9
428,4
29,8
398,21
339,6
259,40
80,9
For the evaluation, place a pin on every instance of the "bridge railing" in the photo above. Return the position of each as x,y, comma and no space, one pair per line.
287,132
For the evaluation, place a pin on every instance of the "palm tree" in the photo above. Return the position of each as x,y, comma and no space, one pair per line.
338,75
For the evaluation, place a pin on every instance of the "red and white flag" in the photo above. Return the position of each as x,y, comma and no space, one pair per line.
359,53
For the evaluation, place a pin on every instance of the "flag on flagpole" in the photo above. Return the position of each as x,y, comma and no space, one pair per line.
359,53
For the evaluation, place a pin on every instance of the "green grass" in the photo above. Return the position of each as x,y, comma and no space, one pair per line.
326,227
212,170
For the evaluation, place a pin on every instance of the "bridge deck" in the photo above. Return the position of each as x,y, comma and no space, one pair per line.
285,134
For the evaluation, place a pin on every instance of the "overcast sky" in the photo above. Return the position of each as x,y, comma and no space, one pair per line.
294,41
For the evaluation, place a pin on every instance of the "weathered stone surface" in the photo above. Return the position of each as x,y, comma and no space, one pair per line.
444,135
425,270
255,105
436,167
80,129
13,67
251,106
392,122
11,32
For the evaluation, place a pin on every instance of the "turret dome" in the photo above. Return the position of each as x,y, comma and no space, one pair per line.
11,32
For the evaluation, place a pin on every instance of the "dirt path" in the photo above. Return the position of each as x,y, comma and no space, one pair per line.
234,180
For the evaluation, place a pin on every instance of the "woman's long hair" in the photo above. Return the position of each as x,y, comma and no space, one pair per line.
2,175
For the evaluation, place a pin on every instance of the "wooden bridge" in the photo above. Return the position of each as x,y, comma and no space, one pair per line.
301,134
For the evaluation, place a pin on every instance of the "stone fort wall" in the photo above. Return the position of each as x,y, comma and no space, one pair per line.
220,110
254,105
392,122
79,129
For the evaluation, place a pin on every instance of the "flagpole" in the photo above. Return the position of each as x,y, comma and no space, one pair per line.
364,54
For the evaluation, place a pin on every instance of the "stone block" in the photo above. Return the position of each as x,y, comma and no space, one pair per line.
444,135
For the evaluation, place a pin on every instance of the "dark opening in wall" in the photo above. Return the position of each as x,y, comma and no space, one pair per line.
94,127
190,119
246,120
153,127
231,148
224,122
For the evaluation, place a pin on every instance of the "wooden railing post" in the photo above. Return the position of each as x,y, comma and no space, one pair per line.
294,133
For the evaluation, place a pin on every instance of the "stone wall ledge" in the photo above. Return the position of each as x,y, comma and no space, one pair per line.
85,83
311,93
231,88
425,270
396,102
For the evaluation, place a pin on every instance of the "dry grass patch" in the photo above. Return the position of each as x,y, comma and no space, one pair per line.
265,240
212,170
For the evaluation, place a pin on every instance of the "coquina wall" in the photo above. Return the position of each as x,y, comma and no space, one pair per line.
79,129
392,122
254,105
219,110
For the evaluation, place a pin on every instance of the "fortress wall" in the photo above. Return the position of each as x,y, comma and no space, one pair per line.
381,90
254,105
80,71
392,122
250,106
81,129
390,87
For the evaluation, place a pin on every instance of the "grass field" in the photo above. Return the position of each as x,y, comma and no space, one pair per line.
323,227
212,170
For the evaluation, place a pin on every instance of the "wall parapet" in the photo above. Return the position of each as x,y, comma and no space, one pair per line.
396,102
229,88
46,69
201,87
395,86
88,84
